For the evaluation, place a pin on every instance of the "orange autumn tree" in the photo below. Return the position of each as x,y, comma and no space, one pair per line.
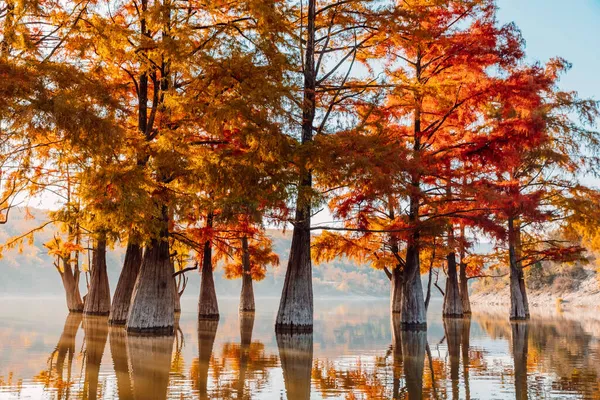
531,167
246,254
393,173
326,39
179,74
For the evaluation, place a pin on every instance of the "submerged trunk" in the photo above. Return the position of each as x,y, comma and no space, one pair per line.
120,358
150,363
208,308
96,333
247,295
97,301
396,291
519,306
452,299
520,338
296,305
207,331
129,273
296,356
71,286
151,309
464,288
414,315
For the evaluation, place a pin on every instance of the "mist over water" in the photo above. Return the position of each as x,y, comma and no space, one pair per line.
354,353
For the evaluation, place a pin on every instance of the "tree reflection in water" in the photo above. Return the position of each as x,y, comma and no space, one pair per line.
296,356
207,331
548,358
95,329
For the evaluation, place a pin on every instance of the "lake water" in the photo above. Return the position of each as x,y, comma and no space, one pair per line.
353,354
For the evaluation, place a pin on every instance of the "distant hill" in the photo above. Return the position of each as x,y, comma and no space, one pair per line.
32,271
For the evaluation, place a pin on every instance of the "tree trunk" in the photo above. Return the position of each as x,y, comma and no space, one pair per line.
175,292
296,305
520,338
71,286
414,315
97,301
207,331
96,333
453,330
150,363
464,288
519,306
296,356
120,358
452,299
396,291
151,309
247,295
208,308
129,273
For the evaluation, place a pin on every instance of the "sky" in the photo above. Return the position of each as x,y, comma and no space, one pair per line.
566,28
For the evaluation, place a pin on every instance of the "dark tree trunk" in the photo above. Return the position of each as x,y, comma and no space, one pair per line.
464,288
208,307
296,305
207,331
246,327
96,333
453,331
520,338
151,309
396,291
71,286
429,282
175,292
97,301
414,315
452,299
519,306
124,291
296,356
247,295
120,359
150,363
414,344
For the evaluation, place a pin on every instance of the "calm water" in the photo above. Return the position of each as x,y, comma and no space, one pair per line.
353,354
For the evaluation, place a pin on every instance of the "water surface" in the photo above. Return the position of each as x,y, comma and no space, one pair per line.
354,353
